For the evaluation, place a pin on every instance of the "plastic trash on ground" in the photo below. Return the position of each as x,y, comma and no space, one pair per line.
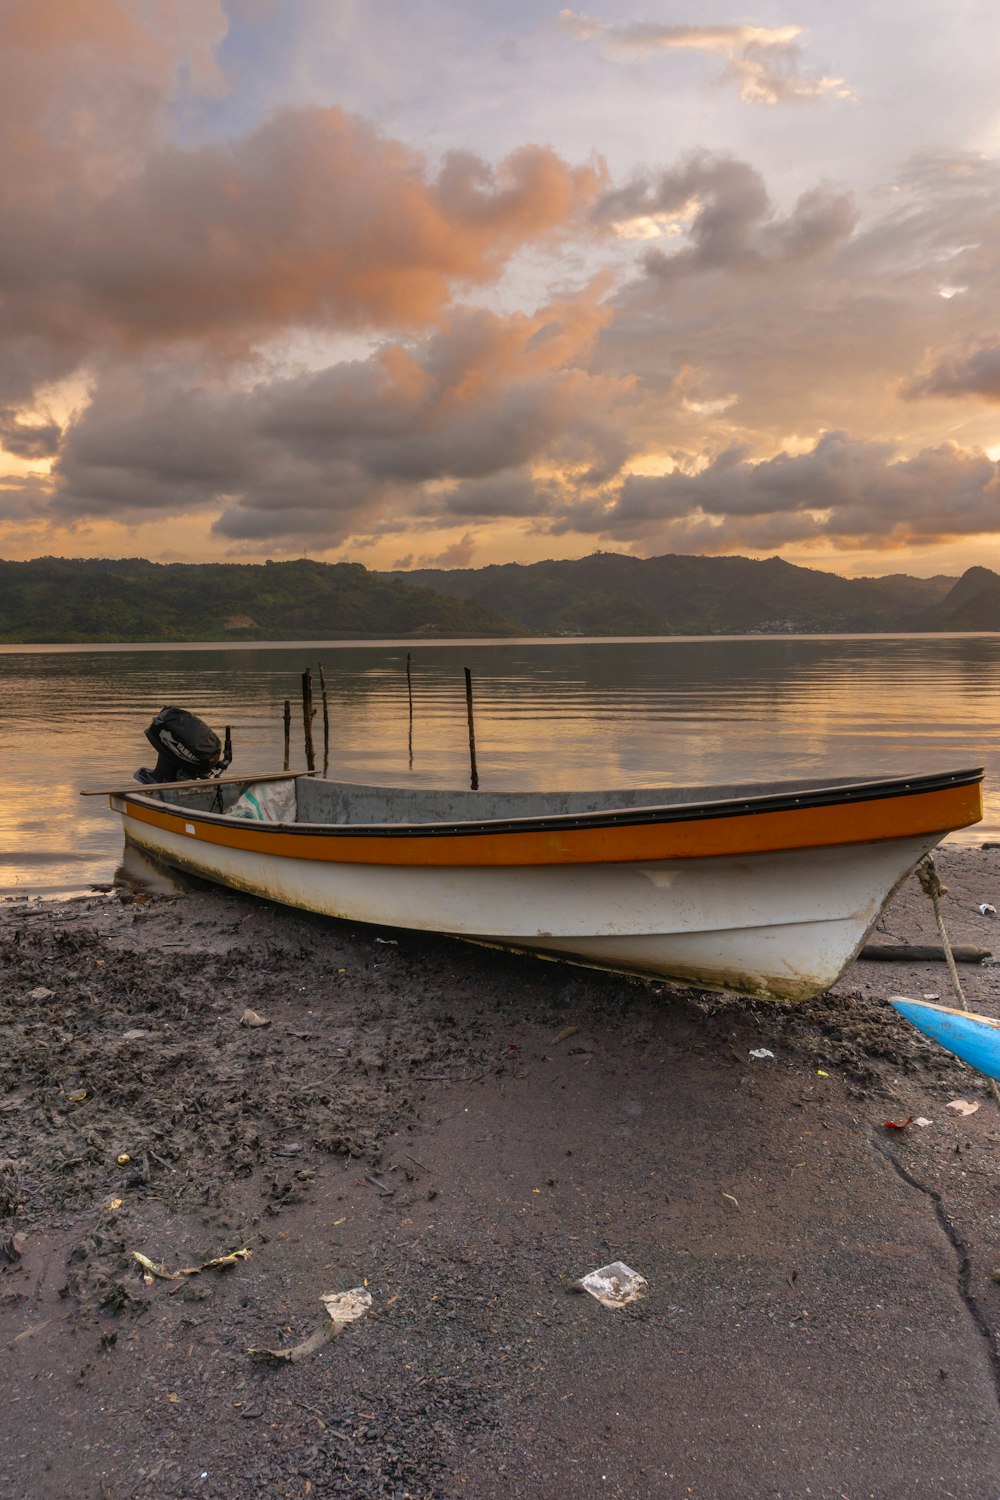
343,1308
348,1307
615,1285
253,1018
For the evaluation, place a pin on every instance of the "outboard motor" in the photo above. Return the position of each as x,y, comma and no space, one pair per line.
187,750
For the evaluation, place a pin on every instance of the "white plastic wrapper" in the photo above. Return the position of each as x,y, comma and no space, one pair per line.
266,802
615,1285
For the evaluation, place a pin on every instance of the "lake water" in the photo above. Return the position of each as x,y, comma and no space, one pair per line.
572,714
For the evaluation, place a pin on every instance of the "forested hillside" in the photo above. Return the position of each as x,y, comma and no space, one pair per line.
79,600
608,594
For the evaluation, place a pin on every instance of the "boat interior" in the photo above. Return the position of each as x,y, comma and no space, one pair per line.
325,803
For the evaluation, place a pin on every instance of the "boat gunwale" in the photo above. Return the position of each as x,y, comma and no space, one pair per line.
971,1017
849,793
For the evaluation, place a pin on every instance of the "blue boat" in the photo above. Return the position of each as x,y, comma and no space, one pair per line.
975,1039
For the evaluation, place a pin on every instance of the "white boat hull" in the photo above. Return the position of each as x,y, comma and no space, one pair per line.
782,923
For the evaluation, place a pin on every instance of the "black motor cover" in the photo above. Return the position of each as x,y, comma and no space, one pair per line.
186,748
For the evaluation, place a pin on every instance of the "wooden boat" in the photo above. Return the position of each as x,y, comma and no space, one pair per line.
768,889
975,1039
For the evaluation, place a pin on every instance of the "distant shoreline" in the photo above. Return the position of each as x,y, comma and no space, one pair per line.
339,643
611,596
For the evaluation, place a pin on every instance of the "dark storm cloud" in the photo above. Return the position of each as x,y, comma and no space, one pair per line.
517,494
975,372
150,443
452,423
28,439
857,493
24,500
732,220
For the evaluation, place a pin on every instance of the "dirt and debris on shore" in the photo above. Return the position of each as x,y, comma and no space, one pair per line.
465,1134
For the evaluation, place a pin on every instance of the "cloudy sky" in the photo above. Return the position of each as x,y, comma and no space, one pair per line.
445,283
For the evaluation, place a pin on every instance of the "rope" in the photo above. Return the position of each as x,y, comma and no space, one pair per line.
930,884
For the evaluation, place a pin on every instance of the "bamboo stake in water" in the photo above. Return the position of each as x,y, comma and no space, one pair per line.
288,732
326,722
472,730
308,713
409,694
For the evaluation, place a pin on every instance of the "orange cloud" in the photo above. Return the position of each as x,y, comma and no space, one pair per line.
164,30
115,240
163,278
764,62
83,84
313,218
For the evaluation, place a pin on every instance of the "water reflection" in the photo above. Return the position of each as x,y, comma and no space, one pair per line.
141,875
570,714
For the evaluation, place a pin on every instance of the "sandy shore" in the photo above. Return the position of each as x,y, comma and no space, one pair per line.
466,1134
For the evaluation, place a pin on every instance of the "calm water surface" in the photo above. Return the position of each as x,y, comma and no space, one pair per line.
572,714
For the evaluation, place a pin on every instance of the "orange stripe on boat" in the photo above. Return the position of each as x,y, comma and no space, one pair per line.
824,826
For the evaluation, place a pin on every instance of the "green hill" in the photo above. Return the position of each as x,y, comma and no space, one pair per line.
82,600
79,600
610,594
973,604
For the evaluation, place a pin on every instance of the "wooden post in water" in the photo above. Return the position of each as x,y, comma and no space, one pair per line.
308,713
409,694
288,732
326,721
472,730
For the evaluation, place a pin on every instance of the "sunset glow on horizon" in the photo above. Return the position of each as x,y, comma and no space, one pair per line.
441,285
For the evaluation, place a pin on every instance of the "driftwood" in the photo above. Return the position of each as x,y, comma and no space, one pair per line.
922,953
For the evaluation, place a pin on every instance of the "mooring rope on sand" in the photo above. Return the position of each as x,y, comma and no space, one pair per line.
930,884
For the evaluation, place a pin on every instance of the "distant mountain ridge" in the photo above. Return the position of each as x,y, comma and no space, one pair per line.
677,594
81,600
973,604
84,600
